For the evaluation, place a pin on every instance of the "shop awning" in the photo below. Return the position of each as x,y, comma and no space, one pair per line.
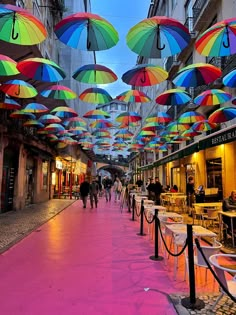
145,167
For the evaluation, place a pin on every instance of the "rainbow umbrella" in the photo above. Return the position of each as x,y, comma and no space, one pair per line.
152,126
173,97
124,134
127,117
51,137
61,145
18,88
19,26
68,140
222,114
9,104
159,117
35,108
74,122
133,96
54,127
86,31
158,37
64,112
218,40
197,74
190,117
49,119
234,101
97,114
230,79
60,92
95,96
212,97
101,123
190,133
204,125
146,133
178,139
42,131
7,66
94,74
33,123
65,133
21,114
145,75
41,69
175,128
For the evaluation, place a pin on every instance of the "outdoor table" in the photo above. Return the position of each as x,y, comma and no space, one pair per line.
231,215
206,205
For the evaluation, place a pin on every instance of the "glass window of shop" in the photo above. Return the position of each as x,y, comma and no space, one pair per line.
175,176
45,175
214,174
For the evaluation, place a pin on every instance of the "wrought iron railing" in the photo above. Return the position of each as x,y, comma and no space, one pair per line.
189,24
197,8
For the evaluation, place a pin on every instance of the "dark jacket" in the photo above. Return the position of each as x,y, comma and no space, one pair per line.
84,188
93,188
107,183
229,204
158,188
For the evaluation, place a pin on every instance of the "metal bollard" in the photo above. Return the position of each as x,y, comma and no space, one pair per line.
156,254
133,207
141,219
191,302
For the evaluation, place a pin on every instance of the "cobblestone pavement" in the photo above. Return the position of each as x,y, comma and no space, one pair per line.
15,225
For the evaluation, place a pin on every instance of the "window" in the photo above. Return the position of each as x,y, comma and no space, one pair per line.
214,173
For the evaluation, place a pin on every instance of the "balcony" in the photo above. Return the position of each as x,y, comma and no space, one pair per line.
189,24
172,65
203,13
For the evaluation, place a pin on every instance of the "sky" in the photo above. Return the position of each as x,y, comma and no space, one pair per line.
122,14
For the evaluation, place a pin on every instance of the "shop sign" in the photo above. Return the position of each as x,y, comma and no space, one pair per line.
223,137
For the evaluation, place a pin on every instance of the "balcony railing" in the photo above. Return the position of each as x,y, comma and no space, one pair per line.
197,8
172,61
189,24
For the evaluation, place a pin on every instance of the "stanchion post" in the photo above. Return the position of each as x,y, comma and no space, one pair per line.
133,207
191,302
156,255
129,202
141,219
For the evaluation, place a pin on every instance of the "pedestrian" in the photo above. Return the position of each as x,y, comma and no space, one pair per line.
107,184
84,191
93,193
158,191
151,189
117,188
190,191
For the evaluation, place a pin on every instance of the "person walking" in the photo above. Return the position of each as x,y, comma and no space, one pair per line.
93,193
151,189
84,191
190,191
158,191
117,188
107,184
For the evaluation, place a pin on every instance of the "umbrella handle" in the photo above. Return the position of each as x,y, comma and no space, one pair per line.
18,92
13,35
158,37
143,80
227,37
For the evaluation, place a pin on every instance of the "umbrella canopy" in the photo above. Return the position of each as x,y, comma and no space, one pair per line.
197,74
54,127
94,74
7,66
74,122
222,114
101,123
19,26
173,97
33,123
148,133
152,125
190,133
159,117
124,134
218,40
212,97
133,96
97,114
64,112
21,114
204,125
49,119
127,117
41,69
86,31
158,37
175,128
9,104
190,117
18,88
145,75
230,79
59,92
35,108
95,96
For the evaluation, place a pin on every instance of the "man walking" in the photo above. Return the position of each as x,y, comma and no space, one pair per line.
84,191
93,192
158,191
107,183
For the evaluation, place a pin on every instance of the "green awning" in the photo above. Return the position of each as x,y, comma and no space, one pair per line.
218,138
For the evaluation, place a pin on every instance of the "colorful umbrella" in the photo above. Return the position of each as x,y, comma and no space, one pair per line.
21,114
54,127
124,134
95,96
94,74
18,88
86,31
230,79
9,104
127,117
190,117
175,128
212,97
35,108
190,133
158,37
197,74
146,133
133,96
33,123
49,119
74,122
218,40
7,66
222,114
152,126
68,140
159,117
41,69
60,92
101,123
145,75
173,97
204,125
97,114
64,112
234,101
19,26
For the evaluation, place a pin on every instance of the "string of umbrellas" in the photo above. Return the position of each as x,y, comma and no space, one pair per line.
156,37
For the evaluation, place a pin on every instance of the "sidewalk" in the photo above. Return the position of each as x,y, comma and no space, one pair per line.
86,262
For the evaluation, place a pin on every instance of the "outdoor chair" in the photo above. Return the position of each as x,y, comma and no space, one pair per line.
225,274
211,216
197,214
